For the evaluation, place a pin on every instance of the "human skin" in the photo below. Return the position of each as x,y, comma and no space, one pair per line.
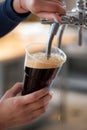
48,9
19,110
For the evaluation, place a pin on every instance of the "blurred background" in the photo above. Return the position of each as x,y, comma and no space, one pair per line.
68,108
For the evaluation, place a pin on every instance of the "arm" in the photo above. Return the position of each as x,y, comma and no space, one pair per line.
12,12
9,19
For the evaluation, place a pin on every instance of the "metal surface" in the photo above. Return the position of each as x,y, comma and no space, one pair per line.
76,17
62,27
54,28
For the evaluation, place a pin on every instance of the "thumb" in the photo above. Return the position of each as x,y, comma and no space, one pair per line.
13,91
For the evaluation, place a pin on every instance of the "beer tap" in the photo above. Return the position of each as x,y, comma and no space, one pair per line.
76,17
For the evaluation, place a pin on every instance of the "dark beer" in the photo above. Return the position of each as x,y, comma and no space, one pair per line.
40,71
36,79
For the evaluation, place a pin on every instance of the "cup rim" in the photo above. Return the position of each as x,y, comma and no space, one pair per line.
54,46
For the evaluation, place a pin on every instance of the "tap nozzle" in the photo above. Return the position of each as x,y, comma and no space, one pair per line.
80,35
53,30
60,34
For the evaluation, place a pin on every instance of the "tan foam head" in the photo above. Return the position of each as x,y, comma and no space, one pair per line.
37,58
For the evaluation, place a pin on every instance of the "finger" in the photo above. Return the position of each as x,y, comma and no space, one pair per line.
30,98
40,103
13,91
49,16
16,88
38,112
34,115
30,116
54,7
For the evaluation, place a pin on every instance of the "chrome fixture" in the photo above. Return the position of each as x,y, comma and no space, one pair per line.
76,17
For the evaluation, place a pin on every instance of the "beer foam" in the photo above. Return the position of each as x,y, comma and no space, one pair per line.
39,60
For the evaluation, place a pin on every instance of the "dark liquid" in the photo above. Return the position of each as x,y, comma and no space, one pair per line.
36,79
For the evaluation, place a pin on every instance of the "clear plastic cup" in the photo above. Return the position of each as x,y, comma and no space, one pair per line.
40,71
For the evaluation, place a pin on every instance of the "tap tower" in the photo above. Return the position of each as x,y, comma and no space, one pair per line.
76,17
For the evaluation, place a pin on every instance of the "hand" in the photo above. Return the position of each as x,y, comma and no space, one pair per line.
48,9
19,110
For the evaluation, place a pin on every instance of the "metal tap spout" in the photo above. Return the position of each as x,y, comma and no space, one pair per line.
53,30
60,35
76,17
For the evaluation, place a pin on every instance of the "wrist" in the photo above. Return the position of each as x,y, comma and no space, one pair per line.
17,6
